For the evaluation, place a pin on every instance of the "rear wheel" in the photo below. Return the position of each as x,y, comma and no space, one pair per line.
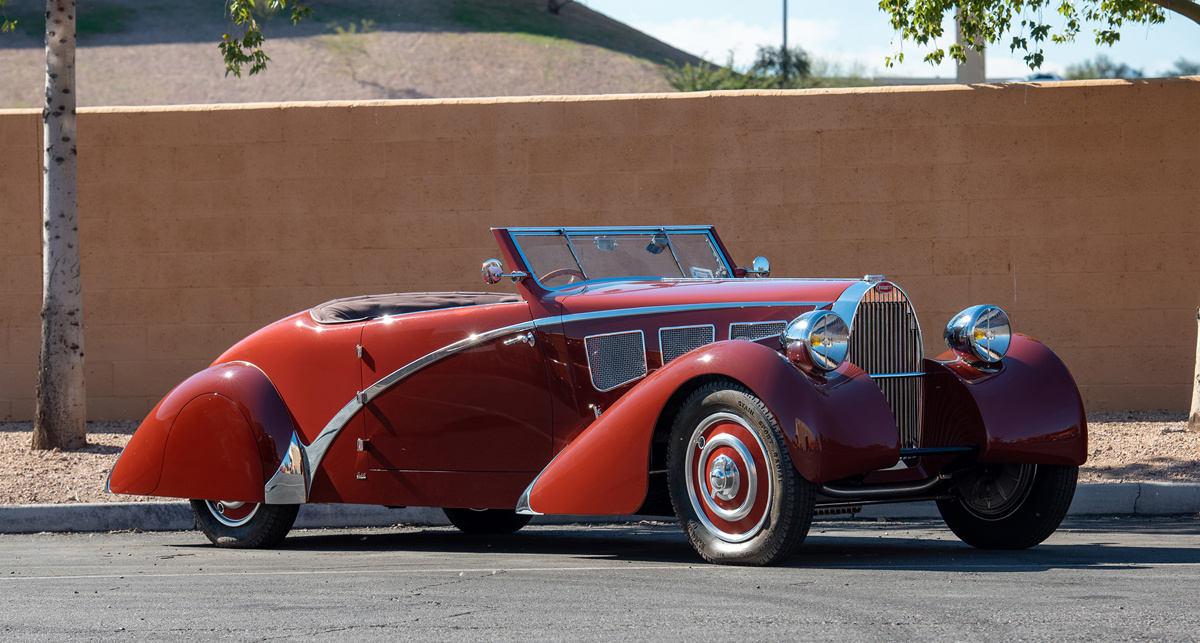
1009,506
732,482
486,521
244,525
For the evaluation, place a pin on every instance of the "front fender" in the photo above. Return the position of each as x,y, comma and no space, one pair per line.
834,428
1028,411
217,436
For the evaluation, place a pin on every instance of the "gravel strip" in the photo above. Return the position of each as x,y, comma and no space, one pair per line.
1124,446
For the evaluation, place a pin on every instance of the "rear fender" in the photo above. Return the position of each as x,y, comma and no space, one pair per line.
1027,411
217,436
833,428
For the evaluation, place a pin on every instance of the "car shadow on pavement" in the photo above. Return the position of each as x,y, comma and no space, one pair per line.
911,546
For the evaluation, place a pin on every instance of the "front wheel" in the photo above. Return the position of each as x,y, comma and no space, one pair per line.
734,488
1009,506
244,525
486,521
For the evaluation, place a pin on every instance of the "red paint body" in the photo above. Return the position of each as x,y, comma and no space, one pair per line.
476,425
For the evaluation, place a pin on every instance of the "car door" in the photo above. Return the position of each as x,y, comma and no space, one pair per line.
474,401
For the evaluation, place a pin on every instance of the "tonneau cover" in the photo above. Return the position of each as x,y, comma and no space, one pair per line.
362,307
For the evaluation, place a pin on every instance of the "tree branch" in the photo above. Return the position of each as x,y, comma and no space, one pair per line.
1186,8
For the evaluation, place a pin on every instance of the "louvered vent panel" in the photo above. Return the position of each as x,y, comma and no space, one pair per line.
677,341
756,330
885,338
615,359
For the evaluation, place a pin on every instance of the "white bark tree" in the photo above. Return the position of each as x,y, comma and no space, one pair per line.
61,416
1194,414
60,419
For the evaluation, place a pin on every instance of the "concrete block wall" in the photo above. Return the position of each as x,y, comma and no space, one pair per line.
1069,204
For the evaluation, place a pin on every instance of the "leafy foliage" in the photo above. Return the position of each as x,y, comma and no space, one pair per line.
6,25
986,22
1185,67
243,44
767,72
1102,67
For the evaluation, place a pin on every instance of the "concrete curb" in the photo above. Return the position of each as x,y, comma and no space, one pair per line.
1136,499
1115,499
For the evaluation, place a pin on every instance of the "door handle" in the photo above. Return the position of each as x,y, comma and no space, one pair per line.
527,338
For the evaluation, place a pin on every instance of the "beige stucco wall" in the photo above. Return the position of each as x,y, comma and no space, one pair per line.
1073,206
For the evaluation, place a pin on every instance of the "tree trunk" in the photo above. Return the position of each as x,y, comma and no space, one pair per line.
1185,8
1194,415
60,419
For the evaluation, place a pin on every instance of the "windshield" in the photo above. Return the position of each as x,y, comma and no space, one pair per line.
561,257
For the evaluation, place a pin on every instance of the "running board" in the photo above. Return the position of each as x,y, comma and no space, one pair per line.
891,491
916,453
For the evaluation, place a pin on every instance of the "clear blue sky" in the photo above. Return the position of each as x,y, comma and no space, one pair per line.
855,33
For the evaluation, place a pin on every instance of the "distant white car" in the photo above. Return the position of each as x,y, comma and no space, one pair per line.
1037,78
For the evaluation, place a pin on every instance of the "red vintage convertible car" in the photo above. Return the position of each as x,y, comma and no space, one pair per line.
637,371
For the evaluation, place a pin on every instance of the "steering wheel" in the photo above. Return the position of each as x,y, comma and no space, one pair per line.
558,272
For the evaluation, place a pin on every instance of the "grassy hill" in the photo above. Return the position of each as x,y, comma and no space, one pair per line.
143,52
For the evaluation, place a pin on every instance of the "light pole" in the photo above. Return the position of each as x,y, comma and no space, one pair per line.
783,53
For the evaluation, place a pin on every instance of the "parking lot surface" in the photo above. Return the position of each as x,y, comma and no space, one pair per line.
853,580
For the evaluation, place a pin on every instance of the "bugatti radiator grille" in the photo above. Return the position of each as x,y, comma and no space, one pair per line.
677,341
616,358
753,331
885,339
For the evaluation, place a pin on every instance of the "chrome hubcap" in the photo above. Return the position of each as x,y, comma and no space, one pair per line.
724,461
232,513
724,478
222,505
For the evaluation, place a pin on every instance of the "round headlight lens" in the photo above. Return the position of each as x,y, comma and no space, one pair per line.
817,340
982,333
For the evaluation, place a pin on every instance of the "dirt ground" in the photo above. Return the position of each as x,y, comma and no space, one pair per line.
157,52
1124,446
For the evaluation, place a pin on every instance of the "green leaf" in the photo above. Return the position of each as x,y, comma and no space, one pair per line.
242,45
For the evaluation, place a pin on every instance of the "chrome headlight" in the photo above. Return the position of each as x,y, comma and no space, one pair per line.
817,340
981,333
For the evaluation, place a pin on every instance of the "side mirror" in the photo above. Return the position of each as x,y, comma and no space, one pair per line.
493,272
760,268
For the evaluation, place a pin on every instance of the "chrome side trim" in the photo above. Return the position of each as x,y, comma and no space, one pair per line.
523,502
438,355
681,308
320,445
289,485
312,454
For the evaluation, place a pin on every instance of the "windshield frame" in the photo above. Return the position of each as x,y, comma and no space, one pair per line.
566,233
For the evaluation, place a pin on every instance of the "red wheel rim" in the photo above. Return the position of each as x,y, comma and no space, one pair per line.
728,477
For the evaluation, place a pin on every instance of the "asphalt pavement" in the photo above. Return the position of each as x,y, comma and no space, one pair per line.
1116,499
1096,578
